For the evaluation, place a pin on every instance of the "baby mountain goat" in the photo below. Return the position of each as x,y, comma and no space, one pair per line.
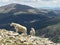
32,32
19,27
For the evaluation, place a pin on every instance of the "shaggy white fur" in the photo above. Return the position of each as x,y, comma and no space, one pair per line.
19,27
32,32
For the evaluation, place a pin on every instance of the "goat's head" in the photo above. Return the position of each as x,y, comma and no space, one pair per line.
13,24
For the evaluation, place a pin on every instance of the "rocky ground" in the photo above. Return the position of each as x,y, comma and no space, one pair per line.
13,38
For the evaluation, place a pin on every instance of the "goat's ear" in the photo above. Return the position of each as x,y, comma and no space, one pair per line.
10,24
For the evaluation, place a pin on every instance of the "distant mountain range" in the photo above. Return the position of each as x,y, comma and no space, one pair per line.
49,8
43,20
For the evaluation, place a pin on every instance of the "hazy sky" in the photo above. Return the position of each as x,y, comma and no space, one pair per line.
34,3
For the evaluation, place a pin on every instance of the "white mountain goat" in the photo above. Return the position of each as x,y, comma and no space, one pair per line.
32,32
19,27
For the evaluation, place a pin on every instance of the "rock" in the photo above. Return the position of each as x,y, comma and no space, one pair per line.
13,38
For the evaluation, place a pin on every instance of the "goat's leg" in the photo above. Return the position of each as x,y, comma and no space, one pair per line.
25,33
16,29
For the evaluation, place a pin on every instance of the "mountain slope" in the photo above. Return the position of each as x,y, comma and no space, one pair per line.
52,32
13,38
29,17
14,8
20,14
